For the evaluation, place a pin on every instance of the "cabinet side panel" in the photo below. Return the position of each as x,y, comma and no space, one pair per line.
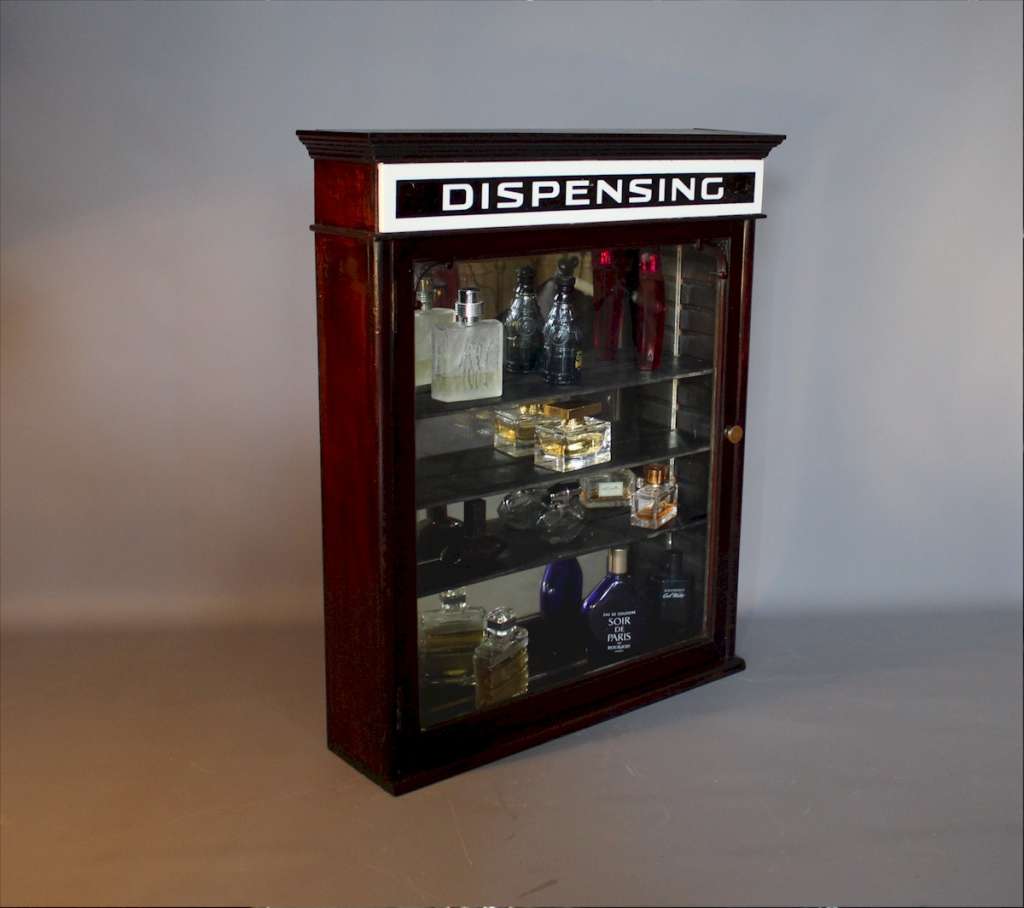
352,334
346,195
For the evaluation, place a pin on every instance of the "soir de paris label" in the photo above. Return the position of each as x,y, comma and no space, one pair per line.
466,195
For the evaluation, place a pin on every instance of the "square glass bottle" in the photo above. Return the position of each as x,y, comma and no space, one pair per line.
449,636
654,498
514,429
611,489
467,353
501,664
575,439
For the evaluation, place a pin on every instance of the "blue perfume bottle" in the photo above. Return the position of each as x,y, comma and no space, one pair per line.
562,360
615,616
561,591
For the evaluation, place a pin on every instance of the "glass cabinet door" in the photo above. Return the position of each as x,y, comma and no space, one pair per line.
564,412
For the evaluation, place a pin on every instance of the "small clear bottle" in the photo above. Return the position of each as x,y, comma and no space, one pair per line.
449,636
501,662
467,353
654,500
424,320
611,489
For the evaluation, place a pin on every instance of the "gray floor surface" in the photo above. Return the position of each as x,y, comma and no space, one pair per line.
861,759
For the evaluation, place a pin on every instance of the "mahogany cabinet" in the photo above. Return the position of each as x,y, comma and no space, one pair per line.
491,576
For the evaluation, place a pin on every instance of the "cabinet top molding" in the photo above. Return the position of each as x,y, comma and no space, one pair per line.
520,145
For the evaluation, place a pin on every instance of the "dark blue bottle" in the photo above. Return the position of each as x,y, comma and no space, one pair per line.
562,361
561,590
615,616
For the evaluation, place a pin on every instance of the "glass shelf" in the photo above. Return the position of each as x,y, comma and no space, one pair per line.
552,664
527,549
599,377
480,472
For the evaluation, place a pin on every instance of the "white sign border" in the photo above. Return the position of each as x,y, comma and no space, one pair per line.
388,176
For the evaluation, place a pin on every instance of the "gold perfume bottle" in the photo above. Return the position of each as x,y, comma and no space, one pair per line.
449,636
515,429
575,439
500,663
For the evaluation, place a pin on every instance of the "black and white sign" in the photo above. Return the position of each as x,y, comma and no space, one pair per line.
457,196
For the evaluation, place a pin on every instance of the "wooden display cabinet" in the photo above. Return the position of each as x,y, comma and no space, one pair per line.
661,228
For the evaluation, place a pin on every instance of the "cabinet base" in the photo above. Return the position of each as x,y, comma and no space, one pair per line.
526,738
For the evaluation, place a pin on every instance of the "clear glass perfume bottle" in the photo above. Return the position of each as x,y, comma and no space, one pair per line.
615,616
649,311
524,340
576,440
611,489
521,509
436,533
424,320
449,636
654,501
501,662
514,429
562,360
564,519
467,353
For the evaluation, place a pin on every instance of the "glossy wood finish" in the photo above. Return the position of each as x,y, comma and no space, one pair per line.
510,145
368,415
354,459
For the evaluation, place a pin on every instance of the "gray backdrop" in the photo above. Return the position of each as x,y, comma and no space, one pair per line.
158,343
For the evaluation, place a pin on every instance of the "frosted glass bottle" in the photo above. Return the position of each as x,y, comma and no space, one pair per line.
425,318
467,353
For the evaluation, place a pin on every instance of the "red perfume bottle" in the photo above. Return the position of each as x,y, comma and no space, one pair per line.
649,312
610,272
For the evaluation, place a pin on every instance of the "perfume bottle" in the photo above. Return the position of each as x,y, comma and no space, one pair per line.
614,615
521,509
610,270
501,662
649,310
524,339
424,320
562,360
476,545
576,439
449,636
561,593
654,498
671,598
611,489
514,429
436,533
563,520
467,353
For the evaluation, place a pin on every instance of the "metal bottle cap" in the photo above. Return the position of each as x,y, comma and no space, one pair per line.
469,307
572,409
618,561
655,474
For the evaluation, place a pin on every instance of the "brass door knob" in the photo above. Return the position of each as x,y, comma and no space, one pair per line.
734,434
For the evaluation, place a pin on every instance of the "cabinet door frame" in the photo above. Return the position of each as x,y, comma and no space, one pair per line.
420,755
